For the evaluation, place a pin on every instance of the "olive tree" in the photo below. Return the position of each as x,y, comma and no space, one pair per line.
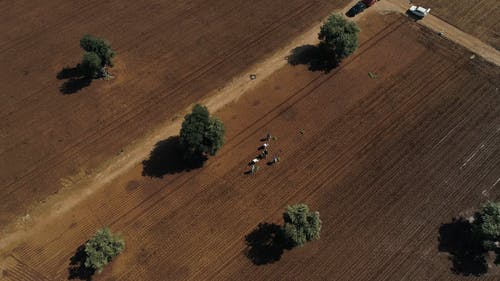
102,248
97,52
98,46
487,227
301,225
201,134
91,65
338,38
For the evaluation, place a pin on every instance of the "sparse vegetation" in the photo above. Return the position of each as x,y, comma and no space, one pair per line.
301,226
102,248
201,134
338,39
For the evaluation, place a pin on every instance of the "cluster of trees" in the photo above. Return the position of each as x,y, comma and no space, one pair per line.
98,54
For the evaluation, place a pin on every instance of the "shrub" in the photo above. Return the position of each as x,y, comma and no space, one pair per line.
338,38
301,225
102,248
201,134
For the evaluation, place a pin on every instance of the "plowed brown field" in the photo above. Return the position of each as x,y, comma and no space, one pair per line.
480,18
169,55
385,161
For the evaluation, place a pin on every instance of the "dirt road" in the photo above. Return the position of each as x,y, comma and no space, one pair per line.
466,40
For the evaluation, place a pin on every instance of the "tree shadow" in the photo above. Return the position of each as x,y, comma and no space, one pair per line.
77,269
466,251
315,57
168,158
76,80
265,244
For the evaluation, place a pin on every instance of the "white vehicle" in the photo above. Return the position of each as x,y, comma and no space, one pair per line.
419,11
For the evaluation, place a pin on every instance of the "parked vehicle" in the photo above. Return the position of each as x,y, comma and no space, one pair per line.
356,9
419,11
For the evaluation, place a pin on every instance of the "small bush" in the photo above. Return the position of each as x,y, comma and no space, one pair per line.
102,248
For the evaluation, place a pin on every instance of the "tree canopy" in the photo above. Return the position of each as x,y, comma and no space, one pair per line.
102,248
487,227
91,64
301,225
338,38
100,47
201,134
489,220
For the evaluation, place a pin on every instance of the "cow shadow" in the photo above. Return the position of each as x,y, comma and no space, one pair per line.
75,80
77,269
314,56
168,157
266,244
466,251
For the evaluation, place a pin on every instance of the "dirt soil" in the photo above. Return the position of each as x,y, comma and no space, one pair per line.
56,130
480,18
387,159
441,27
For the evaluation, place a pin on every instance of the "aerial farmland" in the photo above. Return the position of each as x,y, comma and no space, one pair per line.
232,140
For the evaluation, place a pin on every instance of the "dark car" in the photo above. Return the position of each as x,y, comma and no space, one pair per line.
356,9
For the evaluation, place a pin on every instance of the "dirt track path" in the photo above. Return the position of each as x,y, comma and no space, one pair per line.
449,31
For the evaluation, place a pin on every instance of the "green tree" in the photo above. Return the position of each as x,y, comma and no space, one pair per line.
486,226
102,248
487,221
91,65
201,134
301,225
338,38
100,47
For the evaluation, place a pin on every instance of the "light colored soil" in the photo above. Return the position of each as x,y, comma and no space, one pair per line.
385,161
